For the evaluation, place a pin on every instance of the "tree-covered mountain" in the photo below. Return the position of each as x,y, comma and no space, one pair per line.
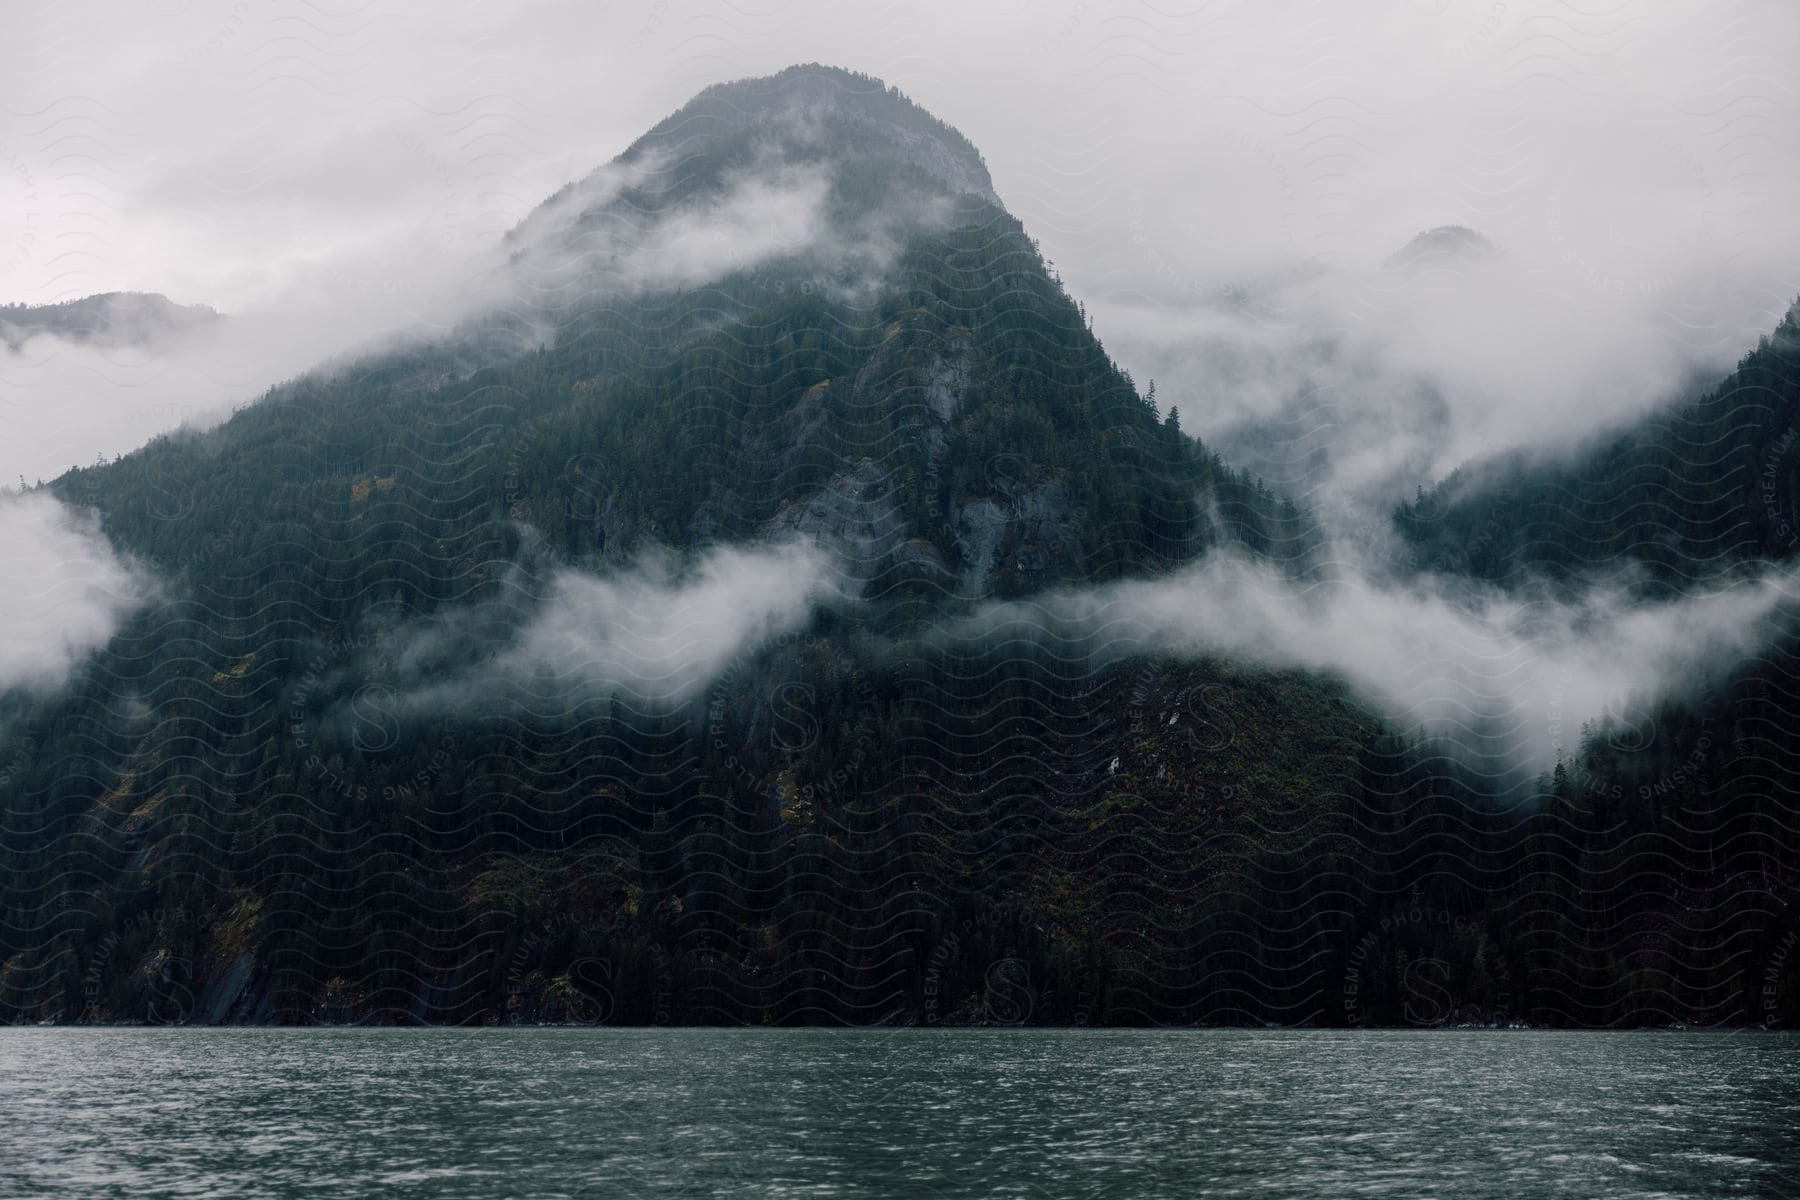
1688,494
625,654
110,319
1701,497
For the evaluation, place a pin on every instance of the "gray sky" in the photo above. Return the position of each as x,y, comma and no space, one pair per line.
326,167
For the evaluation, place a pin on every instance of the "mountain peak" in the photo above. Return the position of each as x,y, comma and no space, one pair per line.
1447,245
815,165
813,110
802,117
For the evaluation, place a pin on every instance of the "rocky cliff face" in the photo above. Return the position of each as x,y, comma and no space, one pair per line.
1018,532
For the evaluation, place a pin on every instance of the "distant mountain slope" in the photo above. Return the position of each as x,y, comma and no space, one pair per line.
110,319
1447,245
1687,494
1696,792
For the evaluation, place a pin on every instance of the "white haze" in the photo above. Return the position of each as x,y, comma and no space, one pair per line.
765,213
67,591
588,240
1507,676
66,404
1396,378
657,633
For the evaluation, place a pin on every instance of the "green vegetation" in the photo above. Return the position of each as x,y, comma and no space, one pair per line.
226,816
1686,495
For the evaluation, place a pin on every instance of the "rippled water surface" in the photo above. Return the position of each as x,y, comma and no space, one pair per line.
930,1113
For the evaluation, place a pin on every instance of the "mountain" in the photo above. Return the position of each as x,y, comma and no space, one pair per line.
675,641
806,117
1685,495
110,319
1445,246
878,365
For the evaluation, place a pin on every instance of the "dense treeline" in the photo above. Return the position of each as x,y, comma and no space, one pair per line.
993,839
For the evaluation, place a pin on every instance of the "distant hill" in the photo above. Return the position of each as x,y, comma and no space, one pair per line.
111,319
1447,245
1695,490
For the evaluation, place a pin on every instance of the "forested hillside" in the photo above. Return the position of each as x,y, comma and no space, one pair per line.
1686,495
385,743
1702,496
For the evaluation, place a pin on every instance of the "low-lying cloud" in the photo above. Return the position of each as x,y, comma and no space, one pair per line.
1352,388
68,590
656,634
1502,677
593,243
661,634
65,404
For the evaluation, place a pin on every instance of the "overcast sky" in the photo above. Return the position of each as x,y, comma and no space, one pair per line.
329,165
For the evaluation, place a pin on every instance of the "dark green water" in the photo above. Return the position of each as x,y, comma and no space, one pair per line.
929,1113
